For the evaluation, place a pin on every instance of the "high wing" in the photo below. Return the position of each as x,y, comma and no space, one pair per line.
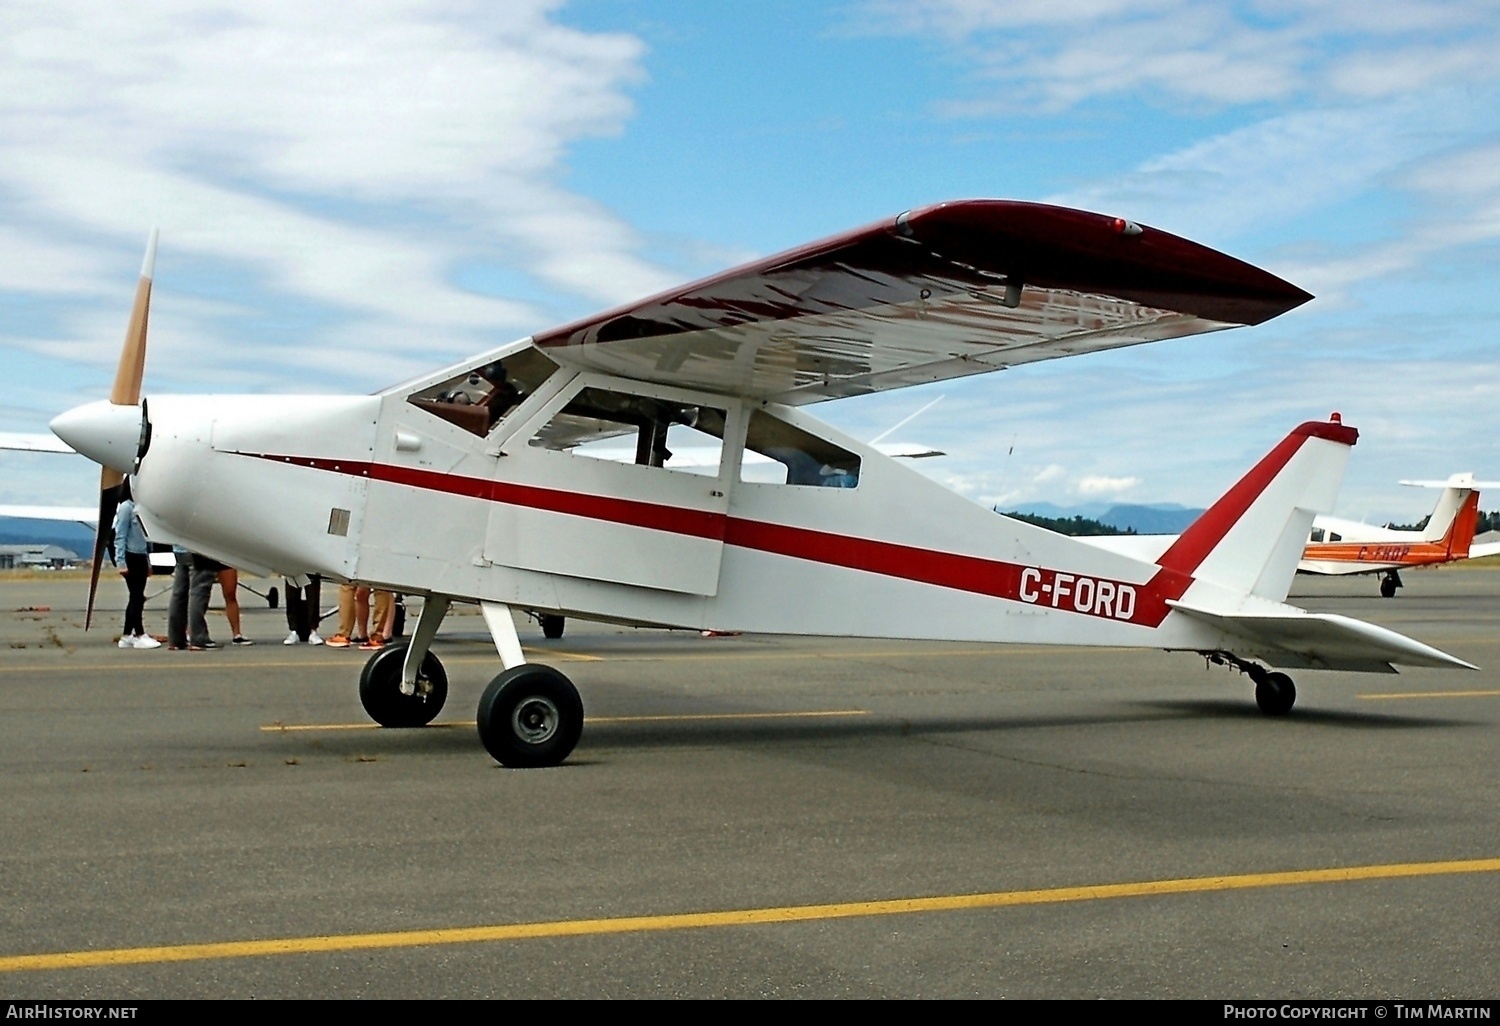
941,292
23,442
85,515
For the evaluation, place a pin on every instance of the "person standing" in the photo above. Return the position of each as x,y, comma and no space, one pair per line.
177,607
133,557
382,615
201,583
302,612
229,587
354,614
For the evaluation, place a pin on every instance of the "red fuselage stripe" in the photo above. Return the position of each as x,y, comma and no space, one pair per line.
974,574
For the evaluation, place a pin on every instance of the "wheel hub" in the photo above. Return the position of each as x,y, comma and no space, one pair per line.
535,720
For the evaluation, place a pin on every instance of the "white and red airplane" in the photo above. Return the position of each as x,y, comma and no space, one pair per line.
473,484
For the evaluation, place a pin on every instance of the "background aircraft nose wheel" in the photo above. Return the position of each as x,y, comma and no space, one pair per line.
552,625
1275,694
530,715
380,689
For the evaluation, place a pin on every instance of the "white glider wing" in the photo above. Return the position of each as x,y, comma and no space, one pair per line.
22,442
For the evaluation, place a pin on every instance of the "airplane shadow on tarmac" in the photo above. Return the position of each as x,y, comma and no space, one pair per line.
462,739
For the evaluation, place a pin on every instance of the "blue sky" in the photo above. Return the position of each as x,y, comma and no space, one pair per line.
350,195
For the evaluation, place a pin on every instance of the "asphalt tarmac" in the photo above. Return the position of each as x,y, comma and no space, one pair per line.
750,817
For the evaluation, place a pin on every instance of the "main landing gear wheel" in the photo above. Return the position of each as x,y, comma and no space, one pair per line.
529,716
552,625
380,689
1275,694
1388,586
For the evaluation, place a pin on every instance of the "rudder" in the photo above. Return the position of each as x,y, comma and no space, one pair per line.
1251,539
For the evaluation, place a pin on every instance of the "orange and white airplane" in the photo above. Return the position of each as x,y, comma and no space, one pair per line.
1351,547
1338,547
471,483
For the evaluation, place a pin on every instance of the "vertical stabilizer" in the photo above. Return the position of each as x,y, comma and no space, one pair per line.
1251,539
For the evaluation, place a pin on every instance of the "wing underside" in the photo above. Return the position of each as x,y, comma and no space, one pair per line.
944,292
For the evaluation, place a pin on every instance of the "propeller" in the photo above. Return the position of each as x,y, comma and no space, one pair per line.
125,392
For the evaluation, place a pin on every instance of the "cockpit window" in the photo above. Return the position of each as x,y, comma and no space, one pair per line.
477,399
795,457
640,429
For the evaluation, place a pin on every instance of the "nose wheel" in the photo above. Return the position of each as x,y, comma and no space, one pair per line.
530,716
392,704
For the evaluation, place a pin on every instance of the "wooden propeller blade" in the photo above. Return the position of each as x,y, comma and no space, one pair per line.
126,391
127,386
109,503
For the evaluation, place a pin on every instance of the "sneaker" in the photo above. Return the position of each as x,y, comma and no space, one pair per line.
292,639
203,647
338,641
127,641
373,643
240,639
313,639
146,641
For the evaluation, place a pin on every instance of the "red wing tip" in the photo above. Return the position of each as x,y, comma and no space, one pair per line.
1333,430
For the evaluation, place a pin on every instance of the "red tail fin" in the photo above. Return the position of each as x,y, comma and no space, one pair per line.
1461,532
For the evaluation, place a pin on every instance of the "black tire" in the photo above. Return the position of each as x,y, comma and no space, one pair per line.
1387,587
1275,694
380,689
273,597
530,716
552,625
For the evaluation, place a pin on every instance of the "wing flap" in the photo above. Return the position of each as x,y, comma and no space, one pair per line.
942,292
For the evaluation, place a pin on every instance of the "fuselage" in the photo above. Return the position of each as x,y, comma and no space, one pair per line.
383,490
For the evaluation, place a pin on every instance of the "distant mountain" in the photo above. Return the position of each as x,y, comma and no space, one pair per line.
24,531
1153,518
1164,518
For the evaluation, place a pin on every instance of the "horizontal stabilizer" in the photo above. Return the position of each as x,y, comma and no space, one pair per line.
1323,641
1456,481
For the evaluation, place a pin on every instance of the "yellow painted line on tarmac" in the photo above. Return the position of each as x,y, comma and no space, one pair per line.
542,655
1379,697
293,728
925,653
286,728
699,717
737,917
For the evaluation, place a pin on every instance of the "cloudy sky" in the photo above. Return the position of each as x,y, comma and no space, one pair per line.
348,195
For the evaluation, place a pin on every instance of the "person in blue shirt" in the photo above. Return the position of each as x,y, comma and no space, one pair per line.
133,557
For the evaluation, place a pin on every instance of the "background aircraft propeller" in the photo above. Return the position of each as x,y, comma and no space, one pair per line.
125,392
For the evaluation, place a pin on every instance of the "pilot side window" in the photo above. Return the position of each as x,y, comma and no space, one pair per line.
477,399
644,430
779,453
